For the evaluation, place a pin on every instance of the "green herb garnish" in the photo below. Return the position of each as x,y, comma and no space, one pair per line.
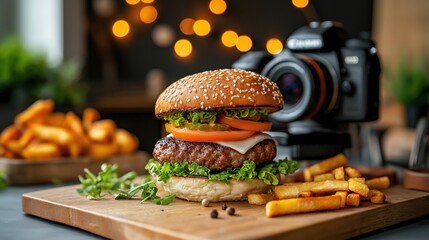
3,182
248,171
108,182
148,192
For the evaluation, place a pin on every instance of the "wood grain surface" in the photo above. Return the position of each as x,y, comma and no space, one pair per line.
128,219
20,171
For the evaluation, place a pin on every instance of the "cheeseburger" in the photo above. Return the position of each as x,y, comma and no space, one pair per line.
216,148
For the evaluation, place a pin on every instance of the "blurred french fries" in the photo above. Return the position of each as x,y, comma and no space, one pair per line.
329,184
102,130
39,133
90,115
125,141
37,110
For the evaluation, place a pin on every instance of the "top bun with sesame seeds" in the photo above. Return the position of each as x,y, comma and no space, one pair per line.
219,90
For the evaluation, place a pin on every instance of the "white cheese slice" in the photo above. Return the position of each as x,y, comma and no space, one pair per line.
244,145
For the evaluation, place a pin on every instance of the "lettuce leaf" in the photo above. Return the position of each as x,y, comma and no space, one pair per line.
248,113
178,119
248,171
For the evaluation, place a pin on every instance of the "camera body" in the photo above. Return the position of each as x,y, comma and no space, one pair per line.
323,75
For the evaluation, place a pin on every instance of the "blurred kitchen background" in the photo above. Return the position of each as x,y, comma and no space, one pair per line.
118,55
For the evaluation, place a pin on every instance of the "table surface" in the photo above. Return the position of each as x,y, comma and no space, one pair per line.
15,224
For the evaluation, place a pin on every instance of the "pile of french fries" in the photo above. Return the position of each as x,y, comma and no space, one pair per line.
328,185
39,133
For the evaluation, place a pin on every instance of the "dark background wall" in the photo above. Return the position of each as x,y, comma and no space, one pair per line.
137,54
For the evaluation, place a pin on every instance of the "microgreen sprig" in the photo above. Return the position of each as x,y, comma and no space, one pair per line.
107,181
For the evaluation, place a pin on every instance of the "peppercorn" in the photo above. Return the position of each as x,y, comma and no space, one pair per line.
230,211
224,206
205,202
214,213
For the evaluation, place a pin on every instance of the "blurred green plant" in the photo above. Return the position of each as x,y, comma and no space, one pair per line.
20,69
3,182
26,76
410,82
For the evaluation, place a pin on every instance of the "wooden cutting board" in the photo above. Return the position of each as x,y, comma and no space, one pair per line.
128,219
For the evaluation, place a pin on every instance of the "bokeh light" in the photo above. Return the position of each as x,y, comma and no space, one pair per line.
121,28
187,26
133,2
201,27
147,1
300,3
244,43
163,35
217,6
229,38
274,46
148,14
183,48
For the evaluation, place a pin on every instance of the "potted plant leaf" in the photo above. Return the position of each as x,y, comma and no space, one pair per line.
410,86
22,72
25,76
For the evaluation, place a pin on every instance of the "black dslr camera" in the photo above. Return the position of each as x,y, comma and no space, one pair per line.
326,80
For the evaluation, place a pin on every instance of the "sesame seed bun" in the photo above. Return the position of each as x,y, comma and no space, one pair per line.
219,90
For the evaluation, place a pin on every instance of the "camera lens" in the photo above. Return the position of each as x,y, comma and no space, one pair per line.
306,84
291,87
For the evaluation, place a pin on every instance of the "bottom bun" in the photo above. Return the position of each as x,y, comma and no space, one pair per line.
199,188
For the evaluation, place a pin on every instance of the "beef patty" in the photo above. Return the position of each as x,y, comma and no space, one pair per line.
211,155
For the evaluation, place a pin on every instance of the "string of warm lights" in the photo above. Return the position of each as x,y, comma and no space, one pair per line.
163,35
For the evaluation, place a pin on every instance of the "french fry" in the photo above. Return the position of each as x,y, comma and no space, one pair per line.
90,115
102,131
10,133
293,190
323,177
328,165
352,172
41,151
36,110
259,198
307,175
126,141
339,173
57,135
376,196
73,123
26,138
101,150
306,194
13,146
343,195
55,119
2,151
358,187
378,183
302,205
7,154
359,179
353,199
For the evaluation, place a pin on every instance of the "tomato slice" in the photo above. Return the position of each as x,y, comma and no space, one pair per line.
207,136
244,124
